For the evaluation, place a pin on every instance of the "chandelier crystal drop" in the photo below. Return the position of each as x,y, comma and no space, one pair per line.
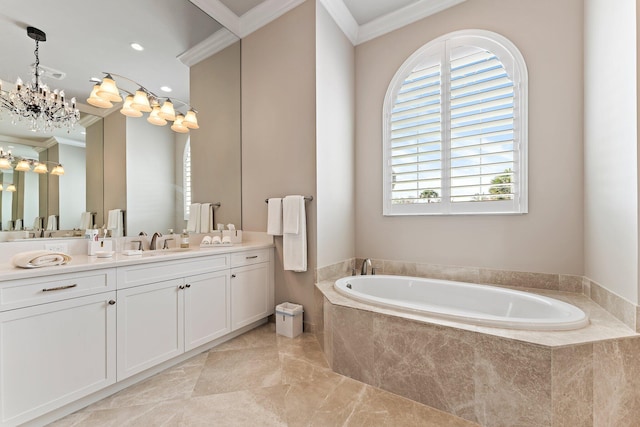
43,108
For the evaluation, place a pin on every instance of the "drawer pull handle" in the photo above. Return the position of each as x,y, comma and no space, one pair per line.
233,276
59,288
188,285
252,257
181,287
111,302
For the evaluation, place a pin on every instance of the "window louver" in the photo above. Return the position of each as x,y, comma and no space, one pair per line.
452,137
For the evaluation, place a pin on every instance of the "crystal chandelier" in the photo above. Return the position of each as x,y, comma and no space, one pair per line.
106,92
35,102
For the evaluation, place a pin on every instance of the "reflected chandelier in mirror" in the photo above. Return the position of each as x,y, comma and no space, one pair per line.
45,109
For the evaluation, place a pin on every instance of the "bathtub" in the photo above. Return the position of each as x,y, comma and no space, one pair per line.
464,302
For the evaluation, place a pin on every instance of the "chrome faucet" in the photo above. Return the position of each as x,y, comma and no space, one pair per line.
152,246
366,263
165,245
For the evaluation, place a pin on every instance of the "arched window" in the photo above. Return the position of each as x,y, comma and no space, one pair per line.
455,129
186,178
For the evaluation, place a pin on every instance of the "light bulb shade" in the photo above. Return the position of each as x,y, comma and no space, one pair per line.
129,111
23,166
1,188
40,168
178,126
154,117
5,163
57,170
108,90
141,102
11,188
167,112
190,120
96,101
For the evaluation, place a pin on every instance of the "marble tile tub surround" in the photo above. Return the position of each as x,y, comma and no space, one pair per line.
491,379
258,378
625,311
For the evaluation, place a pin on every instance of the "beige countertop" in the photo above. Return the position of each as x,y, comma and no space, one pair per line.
84,262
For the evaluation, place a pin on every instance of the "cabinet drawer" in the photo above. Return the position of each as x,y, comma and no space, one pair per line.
27,292
157,271
250,257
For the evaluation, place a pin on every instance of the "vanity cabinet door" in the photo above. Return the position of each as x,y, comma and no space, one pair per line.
55,353
206,308
250,294
150,325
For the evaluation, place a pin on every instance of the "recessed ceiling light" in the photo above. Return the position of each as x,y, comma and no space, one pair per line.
166,89
136,46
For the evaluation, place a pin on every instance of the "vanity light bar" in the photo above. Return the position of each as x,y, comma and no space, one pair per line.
106,92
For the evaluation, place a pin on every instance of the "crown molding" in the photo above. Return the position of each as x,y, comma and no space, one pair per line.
220,13
264,13
209,46
341,15
401,17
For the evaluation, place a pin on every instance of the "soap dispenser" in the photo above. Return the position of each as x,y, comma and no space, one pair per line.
184,239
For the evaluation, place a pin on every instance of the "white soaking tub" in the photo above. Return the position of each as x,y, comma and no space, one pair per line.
464,302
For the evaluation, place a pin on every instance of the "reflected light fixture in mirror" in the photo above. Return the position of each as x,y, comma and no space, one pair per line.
143,101
8,160
45,109
11,188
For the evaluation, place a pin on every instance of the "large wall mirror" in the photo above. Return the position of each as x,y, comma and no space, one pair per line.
112,161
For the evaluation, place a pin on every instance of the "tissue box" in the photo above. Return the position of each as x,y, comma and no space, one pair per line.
105,245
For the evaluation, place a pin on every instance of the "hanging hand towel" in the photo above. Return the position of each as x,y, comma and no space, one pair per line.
206,218
193,224
294,241
52,223
115,223
37,224
274,217
18,224
85,221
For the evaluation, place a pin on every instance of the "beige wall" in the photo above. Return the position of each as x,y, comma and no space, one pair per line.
115,163
335,105
216,146
548,238
611,155
278,134
95,170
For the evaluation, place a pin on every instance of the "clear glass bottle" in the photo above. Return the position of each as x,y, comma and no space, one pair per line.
184,239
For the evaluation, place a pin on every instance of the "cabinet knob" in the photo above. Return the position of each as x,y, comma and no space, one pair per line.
188,285
111,302
181,287
233,276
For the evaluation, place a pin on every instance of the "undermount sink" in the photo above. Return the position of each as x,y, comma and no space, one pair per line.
157,252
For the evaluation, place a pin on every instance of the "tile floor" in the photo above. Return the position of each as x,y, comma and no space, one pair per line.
257,379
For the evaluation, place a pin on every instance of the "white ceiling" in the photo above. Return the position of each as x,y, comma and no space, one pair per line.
87,37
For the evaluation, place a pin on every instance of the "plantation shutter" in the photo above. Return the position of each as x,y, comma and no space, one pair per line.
453,142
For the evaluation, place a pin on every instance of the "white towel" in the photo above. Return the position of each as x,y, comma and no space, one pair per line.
36,223
294,241
114,223
193,224
35,259
206,218
85,221
52,223
274,217
18,224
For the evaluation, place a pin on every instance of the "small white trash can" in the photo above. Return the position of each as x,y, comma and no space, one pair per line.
289,319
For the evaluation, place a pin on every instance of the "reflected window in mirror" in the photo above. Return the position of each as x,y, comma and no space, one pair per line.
186,182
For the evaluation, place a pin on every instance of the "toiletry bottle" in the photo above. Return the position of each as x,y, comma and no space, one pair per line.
184,239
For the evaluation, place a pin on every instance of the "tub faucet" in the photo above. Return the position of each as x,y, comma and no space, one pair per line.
366,263
153,245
